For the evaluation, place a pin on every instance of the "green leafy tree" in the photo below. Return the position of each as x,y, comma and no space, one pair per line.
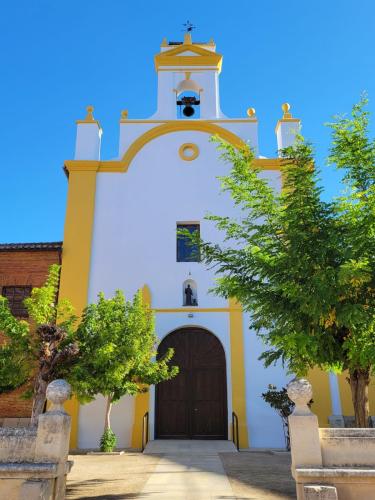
117,344
303,267
41,350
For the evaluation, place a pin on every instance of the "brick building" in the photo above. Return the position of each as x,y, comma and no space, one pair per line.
22,267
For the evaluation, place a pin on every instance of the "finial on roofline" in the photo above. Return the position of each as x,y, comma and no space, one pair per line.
286,107
90,116
187,39
251,112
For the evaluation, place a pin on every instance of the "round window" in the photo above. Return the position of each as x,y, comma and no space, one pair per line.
188,151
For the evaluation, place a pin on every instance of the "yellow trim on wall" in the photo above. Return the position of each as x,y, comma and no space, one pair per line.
346,395
218,120
166,128
238,369
142,401
72,407
267,163
186,147
207,127
76,255
322,406
193,309
177,126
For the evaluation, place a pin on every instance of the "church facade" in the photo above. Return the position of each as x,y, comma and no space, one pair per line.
121,232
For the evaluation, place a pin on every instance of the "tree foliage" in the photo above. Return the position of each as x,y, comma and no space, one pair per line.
303,267
117,344
15,349
42,349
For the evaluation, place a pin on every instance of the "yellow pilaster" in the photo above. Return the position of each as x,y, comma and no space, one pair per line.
76,256
142,401
346,395
322,406
238,369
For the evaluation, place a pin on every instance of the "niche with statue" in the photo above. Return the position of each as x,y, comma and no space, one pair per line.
189,293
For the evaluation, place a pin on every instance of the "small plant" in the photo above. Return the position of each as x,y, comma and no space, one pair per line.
279,401
108,440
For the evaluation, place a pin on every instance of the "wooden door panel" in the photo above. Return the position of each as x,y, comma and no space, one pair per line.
173,420
208,421
193,405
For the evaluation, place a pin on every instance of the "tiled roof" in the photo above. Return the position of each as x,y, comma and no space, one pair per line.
55,245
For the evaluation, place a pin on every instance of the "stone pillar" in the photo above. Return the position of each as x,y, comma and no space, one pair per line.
303,430
52,440
287,128
89,135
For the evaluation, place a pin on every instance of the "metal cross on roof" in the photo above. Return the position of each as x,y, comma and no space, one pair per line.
188,27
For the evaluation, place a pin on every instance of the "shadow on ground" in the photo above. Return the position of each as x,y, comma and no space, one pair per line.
252,475
259,475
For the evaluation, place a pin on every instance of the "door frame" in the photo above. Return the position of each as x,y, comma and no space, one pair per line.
227,388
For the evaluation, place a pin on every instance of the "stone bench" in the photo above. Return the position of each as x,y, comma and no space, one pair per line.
328,464
34,460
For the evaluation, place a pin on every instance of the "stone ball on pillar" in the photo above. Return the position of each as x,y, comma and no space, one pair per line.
300,392
57,393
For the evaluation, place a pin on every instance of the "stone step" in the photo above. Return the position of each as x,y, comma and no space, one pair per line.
177,446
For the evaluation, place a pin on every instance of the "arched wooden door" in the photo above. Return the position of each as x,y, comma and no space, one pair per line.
193,405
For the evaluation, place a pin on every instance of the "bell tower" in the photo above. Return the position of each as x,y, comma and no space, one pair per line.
188,80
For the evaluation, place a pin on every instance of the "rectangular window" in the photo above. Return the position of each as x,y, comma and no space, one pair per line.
16,295
186,252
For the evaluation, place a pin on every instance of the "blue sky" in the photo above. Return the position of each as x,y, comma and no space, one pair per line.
58,56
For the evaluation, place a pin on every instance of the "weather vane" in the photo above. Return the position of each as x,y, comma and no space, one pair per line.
188,27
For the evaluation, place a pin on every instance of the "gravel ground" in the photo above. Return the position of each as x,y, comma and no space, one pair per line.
259,475
113,477
252,475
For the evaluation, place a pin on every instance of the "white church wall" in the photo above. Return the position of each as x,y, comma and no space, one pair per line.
247,131
129,132
91,422
134,243
134,239
264,424
88,141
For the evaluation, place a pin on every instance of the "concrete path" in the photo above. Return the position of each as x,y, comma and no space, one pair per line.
188,470
252,475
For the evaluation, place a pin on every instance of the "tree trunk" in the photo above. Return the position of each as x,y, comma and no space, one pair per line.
359,381
107,423
40,389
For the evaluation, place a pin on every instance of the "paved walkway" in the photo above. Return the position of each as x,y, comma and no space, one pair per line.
183,473
188,470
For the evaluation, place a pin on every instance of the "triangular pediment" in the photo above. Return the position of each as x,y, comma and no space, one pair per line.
195,50
188,55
